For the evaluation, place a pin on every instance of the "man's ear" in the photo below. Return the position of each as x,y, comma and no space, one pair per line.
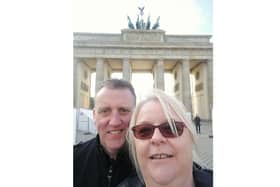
93,113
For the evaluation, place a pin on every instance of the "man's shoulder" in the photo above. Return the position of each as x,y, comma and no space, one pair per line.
83,157
84,147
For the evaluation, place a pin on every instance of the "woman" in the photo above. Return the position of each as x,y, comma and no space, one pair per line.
161,138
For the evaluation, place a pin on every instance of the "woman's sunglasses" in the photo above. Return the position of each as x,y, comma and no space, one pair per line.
146,131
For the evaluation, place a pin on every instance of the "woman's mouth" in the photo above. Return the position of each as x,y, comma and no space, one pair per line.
161,156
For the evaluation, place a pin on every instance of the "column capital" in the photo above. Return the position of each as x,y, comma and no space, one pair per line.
99,59
187,59
78,60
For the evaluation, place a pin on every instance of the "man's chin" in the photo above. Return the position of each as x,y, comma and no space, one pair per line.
116,144
113,149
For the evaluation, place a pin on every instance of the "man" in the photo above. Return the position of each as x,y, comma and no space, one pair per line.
104,161
197,124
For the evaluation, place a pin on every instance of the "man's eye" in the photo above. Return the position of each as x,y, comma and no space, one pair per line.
124,110
103,111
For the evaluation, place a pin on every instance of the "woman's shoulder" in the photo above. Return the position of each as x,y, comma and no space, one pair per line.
131,181
202,177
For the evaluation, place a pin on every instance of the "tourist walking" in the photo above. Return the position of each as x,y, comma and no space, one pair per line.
197,124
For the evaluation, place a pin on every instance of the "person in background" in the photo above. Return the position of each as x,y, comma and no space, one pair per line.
104,161
197,124
161,140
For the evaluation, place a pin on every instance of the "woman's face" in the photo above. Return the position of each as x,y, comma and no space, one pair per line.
162,159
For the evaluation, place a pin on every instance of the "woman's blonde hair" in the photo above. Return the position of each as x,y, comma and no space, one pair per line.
170,105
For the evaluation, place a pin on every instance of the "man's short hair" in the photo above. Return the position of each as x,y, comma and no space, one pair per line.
118,84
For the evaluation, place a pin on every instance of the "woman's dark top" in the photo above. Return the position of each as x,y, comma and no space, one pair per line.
202,178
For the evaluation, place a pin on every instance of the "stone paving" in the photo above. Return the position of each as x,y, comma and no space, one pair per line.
204,143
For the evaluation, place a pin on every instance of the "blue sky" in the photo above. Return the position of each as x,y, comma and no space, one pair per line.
110,16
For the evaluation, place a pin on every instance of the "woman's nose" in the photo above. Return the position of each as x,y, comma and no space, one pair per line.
157,137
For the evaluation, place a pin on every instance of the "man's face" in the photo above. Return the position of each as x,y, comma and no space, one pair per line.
112,114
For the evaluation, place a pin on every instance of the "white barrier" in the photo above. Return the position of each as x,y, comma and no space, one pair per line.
83,121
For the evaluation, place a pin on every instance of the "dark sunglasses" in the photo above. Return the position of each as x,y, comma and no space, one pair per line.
146,131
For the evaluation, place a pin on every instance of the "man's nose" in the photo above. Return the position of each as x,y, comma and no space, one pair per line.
115,119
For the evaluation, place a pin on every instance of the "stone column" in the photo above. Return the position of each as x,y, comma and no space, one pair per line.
186,85
210,86
159,74
126,68
77,81
205,90
77,86
107,70
99,73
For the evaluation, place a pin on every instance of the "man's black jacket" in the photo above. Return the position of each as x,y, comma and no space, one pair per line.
94,168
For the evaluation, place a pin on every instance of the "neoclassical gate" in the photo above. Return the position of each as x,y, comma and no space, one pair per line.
187,57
